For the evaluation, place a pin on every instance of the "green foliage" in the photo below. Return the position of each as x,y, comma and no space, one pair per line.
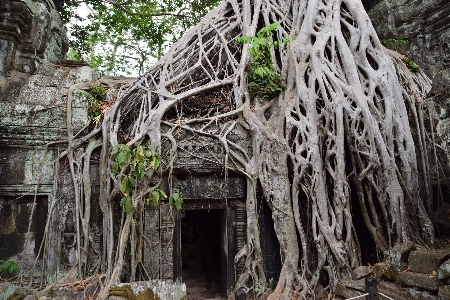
7,266
119,37
156,196
264,82
130,164
95,98
411,65
394,42
175,199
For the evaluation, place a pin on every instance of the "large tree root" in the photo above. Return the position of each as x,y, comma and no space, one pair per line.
341,123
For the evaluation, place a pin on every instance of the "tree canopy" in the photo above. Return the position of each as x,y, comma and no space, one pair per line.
125,37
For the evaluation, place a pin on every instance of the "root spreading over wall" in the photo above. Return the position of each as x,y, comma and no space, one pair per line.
342,122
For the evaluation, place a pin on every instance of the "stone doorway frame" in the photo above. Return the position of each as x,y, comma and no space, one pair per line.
228,242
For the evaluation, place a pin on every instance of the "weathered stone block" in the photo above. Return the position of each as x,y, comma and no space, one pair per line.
359,285
163,289
398,256
346,292
444,292
420,295
6,290
419,280
361,272
443,272
427,261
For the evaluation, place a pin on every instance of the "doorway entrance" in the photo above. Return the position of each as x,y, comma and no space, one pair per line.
201,255
205,246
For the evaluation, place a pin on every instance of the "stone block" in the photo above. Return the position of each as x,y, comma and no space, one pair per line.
427,261
359,285
6,290
361,272
443,272
346,292
444,292
420,295
419,280
166,289
398,256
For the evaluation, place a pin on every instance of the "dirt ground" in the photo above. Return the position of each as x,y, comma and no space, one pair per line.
198,288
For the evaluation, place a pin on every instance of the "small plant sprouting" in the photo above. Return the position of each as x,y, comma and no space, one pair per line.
7,267
411,65
95,98
264,82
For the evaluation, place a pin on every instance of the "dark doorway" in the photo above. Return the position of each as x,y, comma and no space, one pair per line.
365,240
202,236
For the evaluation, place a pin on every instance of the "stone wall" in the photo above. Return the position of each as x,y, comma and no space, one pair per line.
32,133
30,32
34,82
425,23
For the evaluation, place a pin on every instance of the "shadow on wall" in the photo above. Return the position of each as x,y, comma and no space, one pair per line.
14,222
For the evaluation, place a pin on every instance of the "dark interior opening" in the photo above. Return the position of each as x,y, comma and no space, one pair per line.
441,206
270,245
202,233
15,218
369,4
366,243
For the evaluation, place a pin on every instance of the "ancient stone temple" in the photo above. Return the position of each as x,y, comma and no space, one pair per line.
43,102
38,225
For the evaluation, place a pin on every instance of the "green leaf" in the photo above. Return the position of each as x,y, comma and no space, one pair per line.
155,162
8,266
156,196
162,193
127,203
139,152
122,155
124,186
176,200
132,182
115,168
139,170
127,185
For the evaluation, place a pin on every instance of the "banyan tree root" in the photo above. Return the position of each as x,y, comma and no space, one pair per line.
339,131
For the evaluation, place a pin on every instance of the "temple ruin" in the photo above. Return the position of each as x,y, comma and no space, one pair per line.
38,86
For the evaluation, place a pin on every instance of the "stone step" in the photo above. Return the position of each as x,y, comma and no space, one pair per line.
423,281
427,261
392,290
